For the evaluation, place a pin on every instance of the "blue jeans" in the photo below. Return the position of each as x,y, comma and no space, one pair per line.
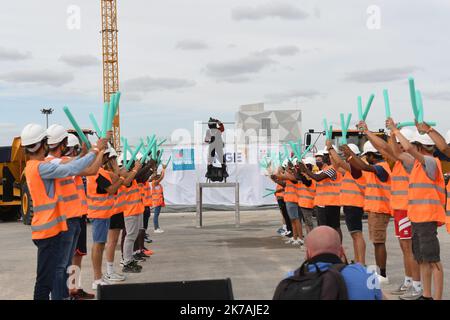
48,250
67,248
156,217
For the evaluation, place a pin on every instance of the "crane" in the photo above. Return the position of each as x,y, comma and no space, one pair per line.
110,60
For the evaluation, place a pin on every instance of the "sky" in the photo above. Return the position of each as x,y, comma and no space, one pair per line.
184,61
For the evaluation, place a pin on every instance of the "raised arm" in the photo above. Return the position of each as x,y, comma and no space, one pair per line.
382,146
407,146
315,176
438,139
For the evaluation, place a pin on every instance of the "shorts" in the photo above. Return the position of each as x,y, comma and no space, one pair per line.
425,244
353,218
329,216
402,225
100,229
81,249
308,217
293,210
378,223
117,222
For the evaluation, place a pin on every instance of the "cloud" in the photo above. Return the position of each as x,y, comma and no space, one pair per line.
7,54
380,75
145,84
238,69
269,10
40,77
191,45
80,60
438,95
293,94
281,51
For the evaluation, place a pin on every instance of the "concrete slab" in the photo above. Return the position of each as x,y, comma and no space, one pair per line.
253,256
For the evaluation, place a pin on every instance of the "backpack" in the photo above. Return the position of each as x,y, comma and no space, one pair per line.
318,285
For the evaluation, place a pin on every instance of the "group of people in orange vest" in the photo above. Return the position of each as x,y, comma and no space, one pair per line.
399,178
70,184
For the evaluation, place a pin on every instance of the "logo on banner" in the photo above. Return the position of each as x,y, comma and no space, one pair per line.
183,159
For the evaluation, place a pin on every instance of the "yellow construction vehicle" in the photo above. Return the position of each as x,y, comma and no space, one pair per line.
12,164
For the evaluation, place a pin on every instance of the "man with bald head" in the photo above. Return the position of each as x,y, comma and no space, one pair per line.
323,250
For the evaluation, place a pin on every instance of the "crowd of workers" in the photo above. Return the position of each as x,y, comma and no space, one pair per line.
69,185
397,178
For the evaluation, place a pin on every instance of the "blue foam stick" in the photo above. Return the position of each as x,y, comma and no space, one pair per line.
105,119
95,124
412,93
387,107
419,106
360,112
369,104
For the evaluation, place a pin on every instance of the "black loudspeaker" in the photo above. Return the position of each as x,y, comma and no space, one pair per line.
181,290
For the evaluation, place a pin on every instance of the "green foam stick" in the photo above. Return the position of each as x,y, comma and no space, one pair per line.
343,129
419,103
413,124
159,144
270,193
349,118
294,149
168,161
369,104
269,189
110,120
95,124
360,112
160,156
387,107
412,93
133,156
325,126
306,151
146,154
116,102
154,150
76,126
105,119
286,152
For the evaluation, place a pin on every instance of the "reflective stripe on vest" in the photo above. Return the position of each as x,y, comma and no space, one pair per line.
426,200
399,187
377,195
328,191
47,219
352,191
134,205
290,192
100,206
306,195
157,195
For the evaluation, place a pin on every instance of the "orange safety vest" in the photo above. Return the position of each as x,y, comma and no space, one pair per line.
377,197
148,202
134,205
100,206
306,195
328,191
426,197
399,187
290,192
120,199
352,190
447,218
157,195
279,192
82,195
69,202
47,218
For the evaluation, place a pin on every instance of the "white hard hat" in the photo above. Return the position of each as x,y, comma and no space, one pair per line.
56,133
368,147
128,157
285,163
423,139
354,148
72,140
294,161
32,134
319,153
139,156
112,152
310,160
447,137
407,133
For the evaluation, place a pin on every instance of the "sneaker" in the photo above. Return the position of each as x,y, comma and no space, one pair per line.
139,257
298,242
425,298
131,267
286,233
80,294
383,280
114,277
411,294
147,239
281,230
402,289
147,252
289,241
159,230
122,262
97,283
